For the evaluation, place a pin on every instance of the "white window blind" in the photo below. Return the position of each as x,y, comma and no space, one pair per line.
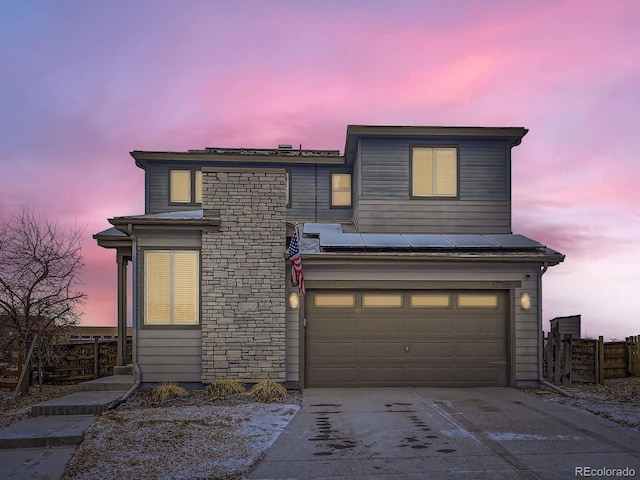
434,172
181,186
198,186
341,189
172,287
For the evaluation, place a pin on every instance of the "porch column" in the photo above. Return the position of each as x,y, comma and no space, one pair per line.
122,260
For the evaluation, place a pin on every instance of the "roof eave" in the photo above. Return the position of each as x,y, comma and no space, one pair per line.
549,259
143,157
126,225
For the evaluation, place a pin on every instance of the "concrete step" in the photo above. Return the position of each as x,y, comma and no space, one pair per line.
38,432
79,403
112,383
123,370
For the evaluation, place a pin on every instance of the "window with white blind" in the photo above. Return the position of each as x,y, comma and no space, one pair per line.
185,186
171,287
340,190
434,172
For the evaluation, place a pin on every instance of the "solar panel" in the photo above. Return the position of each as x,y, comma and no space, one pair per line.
471,241
382,240
426,241
319,228
332,239
514,241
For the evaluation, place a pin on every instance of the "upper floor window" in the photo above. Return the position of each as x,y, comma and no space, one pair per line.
185,186
171,287
434,172
341,190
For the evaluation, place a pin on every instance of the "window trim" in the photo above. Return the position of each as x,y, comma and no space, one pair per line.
288,173
192,185
340,172
143,293
434,197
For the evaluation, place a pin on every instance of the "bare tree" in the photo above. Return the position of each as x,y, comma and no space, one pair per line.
40,264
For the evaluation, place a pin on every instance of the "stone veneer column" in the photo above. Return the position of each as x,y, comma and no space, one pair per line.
243,275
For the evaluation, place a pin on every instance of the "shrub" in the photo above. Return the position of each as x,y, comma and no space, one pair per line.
267,391
223,388
166,391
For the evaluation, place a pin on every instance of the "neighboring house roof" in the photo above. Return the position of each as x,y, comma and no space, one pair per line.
329,238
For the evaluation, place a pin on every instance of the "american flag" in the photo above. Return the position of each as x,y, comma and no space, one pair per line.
297,277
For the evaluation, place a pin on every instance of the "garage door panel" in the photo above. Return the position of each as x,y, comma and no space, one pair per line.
434,325
377,352
332,350
424,350
446,346
379,326
479,350
338,326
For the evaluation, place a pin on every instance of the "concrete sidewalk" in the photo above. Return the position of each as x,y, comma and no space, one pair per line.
443,433
40,446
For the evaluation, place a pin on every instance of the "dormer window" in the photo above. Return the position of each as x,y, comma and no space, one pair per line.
340,190
434,172
185,186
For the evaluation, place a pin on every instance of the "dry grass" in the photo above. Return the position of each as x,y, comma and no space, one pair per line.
167,391
267,391
223,388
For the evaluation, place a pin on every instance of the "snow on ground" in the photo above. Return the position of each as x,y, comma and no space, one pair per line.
191,442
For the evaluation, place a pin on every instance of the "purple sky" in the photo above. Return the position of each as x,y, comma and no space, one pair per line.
83,83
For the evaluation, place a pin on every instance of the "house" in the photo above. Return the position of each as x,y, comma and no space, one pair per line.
413,275
567,325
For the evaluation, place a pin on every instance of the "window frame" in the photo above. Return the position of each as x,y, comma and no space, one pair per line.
143,293
340,172
288,179
436,196
192,185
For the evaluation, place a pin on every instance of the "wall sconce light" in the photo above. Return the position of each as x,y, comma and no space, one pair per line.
525,301
294,301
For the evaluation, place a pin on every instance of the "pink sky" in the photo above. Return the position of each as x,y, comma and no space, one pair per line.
84,83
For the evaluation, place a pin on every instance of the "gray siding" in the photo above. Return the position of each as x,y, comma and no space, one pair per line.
384,203
432,216
524,328
169,355
310,190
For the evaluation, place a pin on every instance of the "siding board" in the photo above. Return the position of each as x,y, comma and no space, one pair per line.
169,355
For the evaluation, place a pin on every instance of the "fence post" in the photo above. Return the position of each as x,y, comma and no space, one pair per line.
567,347
96,358
600,359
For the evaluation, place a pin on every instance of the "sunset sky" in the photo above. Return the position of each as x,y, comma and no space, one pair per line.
84,83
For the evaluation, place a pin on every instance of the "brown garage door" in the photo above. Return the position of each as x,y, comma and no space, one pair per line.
417,338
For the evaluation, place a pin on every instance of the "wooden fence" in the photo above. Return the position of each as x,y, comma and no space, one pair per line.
568,360
78,362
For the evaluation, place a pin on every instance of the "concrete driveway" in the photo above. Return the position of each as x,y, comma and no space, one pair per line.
442,433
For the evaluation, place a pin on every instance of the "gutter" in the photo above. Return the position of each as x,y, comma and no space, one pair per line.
541,337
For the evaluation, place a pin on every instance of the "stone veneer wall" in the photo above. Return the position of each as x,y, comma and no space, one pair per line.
243,275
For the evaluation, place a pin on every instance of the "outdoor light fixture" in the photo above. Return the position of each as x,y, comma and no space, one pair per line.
294,301
525,301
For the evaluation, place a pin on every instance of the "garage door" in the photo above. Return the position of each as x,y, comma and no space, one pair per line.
406,338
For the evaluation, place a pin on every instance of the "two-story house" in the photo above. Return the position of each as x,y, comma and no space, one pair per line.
413,275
